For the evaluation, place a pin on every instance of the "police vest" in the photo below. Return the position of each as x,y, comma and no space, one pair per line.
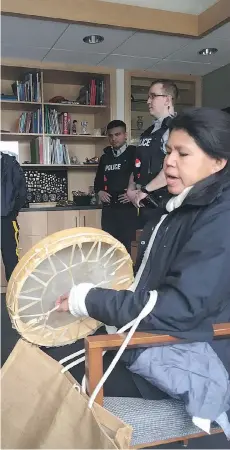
117,170
150,154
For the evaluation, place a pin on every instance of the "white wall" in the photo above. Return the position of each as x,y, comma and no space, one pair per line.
120,93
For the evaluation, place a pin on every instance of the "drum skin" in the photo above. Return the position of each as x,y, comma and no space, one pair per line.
49,269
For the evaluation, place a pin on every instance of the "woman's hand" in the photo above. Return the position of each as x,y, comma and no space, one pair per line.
63,303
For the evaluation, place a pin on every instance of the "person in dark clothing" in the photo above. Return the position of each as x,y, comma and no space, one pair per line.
13,197
111,182
183,260
148,187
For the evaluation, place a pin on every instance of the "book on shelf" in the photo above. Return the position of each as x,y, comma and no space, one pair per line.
30,122
48,151
57,123
9,97
96,93
92,94
28,89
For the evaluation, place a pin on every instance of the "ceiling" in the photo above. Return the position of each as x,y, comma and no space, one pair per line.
42,40
183,6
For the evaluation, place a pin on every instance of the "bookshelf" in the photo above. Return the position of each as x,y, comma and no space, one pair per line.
57,83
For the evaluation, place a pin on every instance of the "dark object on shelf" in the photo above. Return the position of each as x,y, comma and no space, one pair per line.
140,122
81,198
74,160
58,99
64,203
94,160
74,127
83,96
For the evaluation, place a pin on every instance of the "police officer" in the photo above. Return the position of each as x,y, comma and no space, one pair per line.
13,197
115,169
149,185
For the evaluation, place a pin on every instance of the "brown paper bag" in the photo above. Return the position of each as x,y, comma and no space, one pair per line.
43,408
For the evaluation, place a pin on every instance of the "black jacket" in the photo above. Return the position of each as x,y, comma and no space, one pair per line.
13,186
189,266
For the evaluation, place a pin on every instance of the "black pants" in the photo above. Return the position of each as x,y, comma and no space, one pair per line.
121,223
9,244
121,382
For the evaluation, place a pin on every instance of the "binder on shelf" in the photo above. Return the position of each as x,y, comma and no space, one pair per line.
30,122
28,89
48,151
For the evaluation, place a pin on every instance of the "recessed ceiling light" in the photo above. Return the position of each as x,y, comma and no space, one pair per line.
93,39
208,51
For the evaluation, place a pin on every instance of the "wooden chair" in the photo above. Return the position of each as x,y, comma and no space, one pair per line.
134,246
154,422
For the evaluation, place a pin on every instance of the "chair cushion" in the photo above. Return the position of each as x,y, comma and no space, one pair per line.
153,420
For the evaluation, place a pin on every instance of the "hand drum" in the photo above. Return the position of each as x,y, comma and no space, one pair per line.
50,269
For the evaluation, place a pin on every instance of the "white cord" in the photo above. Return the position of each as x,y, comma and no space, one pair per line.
145,311
73,364
67,358
81,352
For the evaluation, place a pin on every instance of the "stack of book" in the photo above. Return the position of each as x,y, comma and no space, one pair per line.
28,89
48,151
95,93
57,123
30,122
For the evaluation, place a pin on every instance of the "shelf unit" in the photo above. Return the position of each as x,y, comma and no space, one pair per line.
61,166
66,82
137,86
27,136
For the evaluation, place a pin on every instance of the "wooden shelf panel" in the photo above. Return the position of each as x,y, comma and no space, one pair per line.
61,166
26,136
76,136
19,106
72,107
18,136
62,107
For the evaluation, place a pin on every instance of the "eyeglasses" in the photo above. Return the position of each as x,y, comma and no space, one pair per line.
152,95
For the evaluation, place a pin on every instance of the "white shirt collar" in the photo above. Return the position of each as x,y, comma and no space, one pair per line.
176,202
119,151
160,120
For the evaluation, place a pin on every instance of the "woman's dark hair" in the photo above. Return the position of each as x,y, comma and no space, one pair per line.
210,129
116,124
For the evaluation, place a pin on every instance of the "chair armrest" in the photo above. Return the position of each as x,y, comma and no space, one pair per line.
95,345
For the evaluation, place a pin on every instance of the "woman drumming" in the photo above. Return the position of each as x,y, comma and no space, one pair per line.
183,263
